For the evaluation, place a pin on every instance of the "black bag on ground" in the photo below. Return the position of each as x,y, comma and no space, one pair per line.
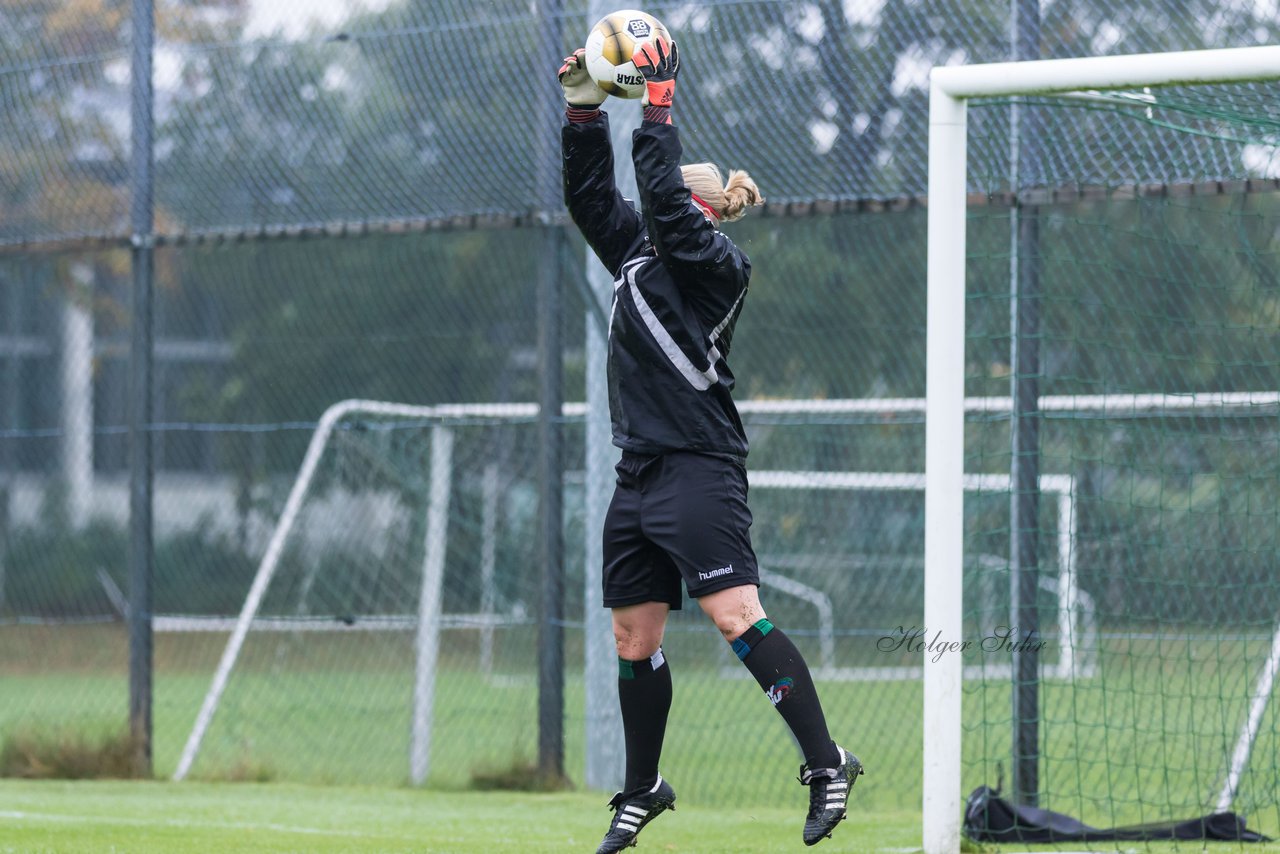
990,818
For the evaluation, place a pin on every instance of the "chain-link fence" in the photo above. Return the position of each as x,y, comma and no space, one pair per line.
348,205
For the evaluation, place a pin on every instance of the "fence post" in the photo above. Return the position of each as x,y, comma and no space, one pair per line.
550,406
1024,462
141,476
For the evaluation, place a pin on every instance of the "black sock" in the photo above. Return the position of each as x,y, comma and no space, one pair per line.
781,671
644,692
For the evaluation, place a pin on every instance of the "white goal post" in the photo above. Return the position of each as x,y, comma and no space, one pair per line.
950,89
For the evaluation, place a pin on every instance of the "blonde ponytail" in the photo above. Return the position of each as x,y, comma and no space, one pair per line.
740,193
729,200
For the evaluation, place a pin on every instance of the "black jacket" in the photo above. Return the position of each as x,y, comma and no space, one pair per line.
678,289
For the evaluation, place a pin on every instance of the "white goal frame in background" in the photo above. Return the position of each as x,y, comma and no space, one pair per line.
949,91
1075,617
426,621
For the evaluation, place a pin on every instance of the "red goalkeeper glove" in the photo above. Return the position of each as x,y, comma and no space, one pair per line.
659,62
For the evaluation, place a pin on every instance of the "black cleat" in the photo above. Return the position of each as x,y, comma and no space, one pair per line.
631,814
828,795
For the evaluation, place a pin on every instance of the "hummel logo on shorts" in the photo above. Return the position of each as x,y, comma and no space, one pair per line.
716,573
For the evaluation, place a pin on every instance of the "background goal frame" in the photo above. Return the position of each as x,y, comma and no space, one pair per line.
1074,608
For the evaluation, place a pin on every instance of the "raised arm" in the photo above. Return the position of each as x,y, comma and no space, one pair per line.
686,241
609,222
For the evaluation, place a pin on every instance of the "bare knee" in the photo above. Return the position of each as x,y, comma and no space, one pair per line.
734,610
634,645
638,629
730,624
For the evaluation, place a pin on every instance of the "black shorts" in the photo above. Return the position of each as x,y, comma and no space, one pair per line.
674,516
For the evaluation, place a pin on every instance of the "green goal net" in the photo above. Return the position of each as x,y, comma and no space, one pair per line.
1146,244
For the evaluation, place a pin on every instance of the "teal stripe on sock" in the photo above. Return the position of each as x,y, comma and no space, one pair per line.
763,626
626,670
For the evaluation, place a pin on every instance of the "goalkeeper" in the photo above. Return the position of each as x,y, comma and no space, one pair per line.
679,510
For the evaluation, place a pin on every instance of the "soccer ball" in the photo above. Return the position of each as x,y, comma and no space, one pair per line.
610,46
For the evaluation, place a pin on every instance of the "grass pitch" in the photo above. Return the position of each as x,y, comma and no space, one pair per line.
1145,739
106,817
273,818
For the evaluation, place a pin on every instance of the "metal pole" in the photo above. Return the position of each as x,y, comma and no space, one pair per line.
141,215
550,405
435,546
9,419
1024,357
76,399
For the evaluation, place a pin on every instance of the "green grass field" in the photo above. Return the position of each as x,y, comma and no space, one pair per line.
1144,740
142,818
111,817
